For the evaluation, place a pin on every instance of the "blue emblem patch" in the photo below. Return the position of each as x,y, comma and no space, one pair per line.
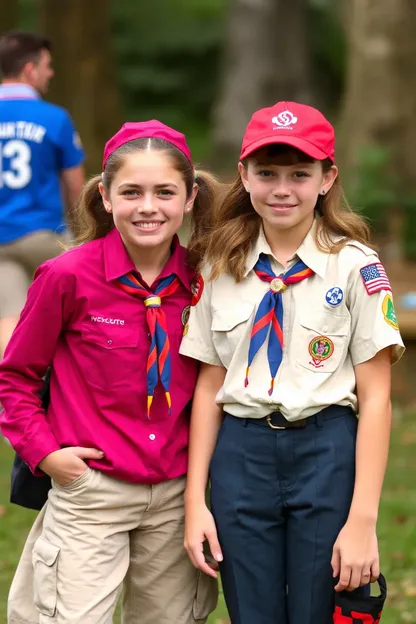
334,296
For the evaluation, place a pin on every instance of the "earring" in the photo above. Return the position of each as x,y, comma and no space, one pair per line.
247,189
323,192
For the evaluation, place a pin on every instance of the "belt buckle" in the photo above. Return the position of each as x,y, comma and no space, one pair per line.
271,425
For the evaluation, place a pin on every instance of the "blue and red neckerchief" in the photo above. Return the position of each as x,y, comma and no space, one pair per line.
269,315
158,361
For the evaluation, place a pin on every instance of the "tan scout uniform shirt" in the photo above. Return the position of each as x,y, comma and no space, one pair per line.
330,325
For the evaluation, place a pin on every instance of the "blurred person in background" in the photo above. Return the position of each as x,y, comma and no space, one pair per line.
41,170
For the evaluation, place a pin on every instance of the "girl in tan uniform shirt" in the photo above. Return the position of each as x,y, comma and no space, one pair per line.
294,325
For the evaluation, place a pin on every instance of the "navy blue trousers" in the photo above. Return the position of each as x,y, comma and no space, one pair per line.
279,499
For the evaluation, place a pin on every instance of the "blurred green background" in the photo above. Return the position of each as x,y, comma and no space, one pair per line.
204,66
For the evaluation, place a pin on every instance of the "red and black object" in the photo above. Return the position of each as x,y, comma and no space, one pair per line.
350,609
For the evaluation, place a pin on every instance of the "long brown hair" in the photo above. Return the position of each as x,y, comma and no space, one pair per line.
91,221
237,224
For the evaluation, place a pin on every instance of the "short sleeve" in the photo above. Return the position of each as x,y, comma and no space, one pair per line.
373,317
197,340
71,152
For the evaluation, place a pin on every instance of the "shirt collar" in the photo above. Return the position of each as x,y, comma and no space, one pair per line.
18,91
261,246
308,252
117,261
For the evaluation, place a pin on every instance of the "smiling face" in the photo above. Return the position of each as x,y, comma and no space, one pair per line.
284,186
148,199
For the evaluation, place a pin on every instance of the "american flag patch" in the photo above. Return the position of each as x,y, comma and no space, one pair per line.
375,278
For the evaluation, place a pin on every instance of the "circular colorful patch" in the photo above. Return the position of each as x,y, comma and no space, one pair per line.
197,288
185,315
320,348
334,296
389,312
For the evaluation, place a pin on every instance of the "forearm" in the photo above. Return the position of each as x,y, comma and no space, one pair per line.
371,457
205,422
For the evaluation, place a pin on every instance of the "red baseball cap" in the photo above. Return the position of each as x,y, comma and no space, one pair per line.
146,130
298,125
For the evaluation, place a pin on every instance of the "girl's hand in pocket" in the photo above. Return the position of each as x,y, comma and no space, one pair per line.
68,464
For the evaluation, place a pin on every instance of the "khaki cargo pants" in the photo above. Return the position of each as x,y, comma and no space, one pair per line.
19,261
98,534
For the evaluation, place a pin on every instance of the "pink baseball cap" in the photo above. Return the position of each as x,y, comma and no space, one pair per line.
298,125
146,130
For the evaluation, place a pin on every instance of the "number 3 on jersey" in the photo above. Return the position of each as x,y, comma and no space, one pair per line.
15,170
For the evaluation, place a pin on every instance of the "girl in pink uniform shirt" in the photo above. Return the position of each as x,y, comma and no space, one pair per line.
108,317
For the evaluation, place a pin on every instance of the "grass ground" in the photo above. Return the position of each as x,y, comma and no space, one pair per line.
397,528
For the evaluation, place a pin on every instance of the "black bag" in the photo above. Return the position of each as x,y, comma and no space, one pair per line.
26,489
349,608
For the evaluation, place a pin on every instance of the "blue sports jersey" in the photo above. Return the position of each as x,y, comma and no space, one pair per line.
37,141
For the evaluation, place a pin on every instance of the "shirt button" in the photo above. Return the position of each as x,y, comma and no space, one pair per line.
109,342
152,436
325,328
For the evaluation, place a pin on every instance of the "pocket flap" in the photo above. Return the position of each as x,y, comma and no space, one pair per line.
117,338
327,324
45,552
226,319
206,598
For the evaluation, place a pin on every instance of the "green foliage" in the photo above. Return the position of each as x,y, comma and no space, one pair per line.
376,191
168,57
28,13
373,189
328,45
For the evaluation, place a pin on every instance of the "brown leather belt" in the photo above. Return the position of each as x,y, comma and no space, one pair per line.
276,420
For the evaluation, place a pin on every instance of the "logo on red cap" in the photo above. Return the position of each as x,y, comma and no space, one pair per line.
285,119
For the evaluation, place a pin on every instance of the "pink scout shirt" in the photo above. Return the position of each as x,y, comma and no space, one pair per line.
95,337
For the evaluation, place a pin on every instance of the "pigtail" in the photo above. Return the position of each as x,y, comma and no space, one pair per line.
202,216
89,218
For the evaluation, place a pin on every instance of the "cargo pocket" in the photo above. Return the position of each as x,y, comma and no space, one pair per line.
45,563
206,597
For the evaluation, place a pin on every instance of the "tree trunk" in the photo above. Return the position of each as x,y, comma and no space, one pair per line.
85,81
262,64
9,10
369,114
380,100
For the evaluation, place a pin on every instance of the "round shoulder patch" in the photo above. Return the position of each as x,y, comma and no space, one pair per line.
185,315
197,288
389,312
334,296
